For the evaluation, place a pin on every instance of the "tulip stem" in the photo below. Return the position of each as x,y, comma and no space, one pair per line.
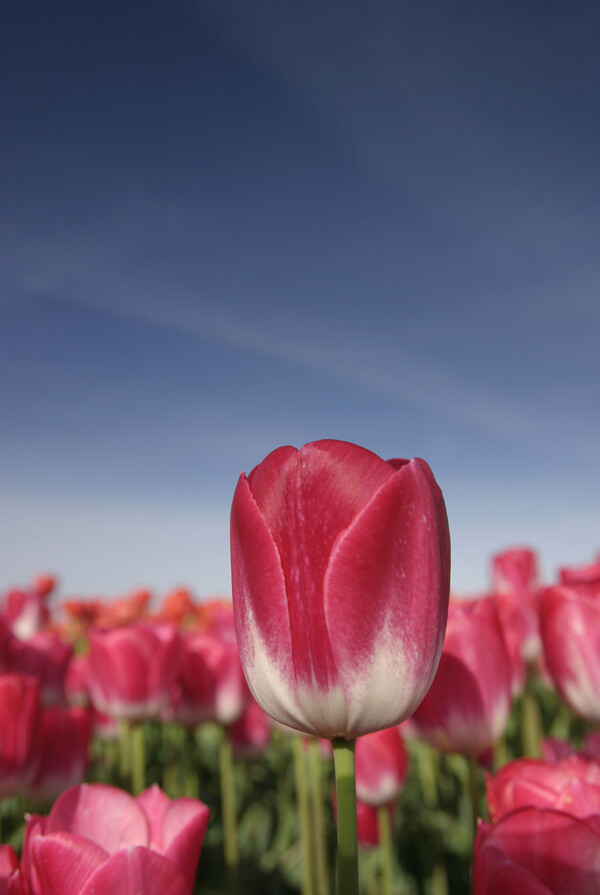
531,723
386,853
474,791
303,815
138,758
345,789
230,845
320,850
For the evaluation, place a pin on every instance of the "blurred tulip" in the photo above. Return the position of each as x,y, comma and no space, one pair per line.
25,612
515,571
44,655
570,629
537,851
515,579
586,579
341,565
76,681
63,749
210,684
381,766
11,881
131,669
19,732
467,707
571,785
250,734
98,840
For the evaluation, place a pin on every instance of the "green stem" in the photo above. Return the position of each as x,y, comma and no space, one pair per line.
230,844
320,846
138,759
303,814
531,725
345,788
474,792
125,751
386,852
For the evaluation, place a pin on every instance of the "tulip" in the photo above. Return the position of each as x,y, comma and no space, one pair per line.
26,612
98,840
63,749
11,881
381,766
571,785
537,851
210,684
585,578
467,707
131,669
46,656
250,734
570,629
19,732
340,568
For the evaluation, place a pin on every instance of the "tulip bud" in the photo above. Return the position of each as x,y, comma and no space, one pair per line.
341,568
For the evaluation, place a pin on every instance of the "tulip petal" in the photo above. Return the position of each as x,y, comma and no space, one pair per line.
386,601
104,814
261,613
133,871
64,862
570,630
177,828
561,851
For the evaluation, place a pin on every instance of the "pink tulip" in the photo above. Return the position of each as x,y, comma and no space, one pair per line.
570,629
467,707
341,566
98,840
131,669
515,571
210,683
11,881
63,749
19,732
25,612
250,734
585,578
571,785
76,681
537,851
381,766
46,656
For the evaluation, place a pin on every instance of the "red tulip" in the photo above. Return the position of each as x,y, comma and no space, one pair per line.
381,766
131,669
537,851
467,707
515,571
340,565
46,656
63,749
11,881
571,785
25,612
19,731
250,734
98,840
570,629
210,683
585,578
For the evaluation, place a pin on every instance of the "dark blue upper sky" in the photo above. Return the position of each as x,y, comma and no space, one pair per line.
228,226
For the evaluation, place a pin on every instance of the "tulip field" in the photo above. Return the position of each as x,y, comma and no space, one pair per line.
342,724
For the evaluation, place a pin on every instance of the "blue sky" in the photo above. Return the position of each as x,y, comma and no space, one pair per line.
229,226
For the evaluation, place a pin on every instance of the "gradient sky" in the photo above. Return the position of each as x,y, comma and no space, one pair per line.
227,226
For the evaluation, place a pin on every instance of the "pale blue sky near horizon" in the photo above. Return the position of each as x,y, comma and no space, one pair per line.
230,226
